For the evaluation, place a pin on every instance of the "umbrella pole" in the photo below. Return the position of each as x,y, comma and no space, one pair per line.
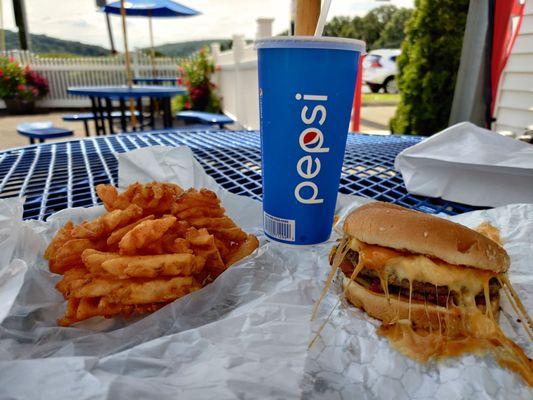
152,50
2,28
128,63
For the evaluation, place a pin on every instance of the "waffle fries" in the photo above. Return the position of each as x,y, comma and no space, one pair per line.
155,244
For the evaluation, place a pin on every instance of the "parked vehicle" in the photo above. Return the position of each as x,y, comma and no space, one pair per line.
380,69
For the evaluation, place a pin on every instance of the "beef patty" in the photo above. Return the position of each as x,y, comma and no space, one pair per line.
422,291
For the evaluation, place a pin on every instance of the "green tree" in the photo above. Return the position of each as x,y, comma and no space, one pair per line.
340,27
373,23
385,20
393,31
428,66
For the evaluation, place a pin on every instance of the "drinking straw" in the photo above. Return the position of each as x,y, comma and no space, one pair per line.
322,18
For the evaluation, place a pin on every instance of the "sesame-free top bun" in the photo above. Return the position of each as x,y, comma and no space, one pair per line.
389,225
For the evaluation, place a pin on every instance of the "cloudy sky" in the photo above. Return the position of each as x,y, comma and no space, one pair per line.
79,20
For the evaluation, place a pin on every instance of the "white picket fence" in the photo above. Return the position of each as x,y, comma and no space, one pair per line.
89,71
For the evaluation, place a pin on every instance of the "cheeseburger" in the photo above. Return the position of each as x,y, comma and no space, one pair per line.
434,284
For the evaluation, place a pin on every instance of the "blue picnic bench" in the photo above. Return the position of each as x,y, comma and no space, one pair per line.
194,117
89,116
42,130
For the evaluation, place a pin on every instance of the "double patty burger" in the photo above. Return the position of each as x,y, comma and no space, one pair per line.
433,283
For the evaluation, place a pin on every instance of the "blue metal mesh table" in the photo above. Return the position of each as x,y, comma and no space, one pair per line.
55,176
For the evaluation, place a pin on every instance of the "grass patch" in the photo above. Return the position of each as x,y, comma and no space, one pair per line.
376,98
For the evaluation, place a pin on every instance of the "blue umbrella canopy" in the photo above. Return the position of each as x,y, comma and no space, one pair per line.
146,8
150,8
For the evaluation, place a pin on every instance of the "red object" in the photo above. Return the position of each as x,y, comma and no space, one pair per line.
376,64
356,108
503,38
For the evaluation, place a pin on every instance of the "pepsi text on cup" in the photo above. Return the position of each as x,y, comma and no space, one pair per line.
311,140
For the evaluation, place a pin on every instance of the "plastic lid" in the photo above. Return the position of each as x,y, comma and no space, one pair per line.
310,42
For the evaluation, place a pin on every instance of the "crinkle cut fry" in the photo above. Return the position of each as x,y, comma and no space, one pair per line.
116,266
245,249
153,198
73,278
70,313
194,199
137,291
107,223
203,244
145,233
93,259
69,255
169,254
118,234
82,309
61,237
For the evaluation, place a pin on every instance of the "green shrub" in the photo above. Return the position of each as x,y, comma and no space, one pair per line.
195,74
428,66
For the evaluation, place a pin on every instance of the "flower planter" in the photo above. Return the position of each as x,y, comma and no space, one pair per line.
17,106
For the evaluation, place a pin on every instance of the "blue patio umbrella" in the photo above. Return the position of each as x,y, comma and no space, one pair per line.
149,8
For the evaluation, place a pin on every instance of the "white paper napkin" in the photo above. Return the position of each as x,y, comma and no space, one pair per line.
470,165
163,164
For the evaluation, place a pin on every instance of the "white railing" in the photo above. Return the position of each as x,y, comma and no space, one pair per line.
237,77
89,71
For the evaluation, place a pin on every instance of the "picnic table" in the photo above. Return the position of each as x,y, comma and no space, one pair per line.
102,103
54,176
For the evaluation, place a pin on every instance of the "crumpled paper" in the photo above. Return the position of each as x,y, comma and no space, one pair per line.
243,336
470,165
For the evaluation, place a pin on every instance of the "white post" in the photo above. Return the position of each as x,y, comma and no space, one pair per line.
238,53
135,64
264,28
215,52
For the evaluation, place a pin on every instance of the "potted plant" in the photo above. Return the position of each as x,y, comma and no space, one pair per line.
20,87
195,74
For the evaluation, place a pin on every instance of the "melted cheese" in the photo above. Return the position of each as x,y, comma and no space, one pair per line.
490,231
421,268
479,332
483,335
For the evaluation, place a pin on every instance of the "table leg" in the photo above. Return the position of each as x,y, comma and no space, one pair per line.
101,116
123,124
167,117
140,111
109,109
86,126
97,120
152,113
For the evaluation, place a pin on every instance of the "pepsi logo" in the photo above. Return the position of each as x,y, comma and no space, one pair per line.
310,137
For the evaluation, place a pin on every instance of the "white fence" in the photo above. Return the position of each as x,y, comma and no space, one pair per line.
89,71
236,78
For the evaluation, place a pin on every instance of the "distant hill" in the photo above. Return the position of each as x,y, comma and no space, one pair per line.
183,49
47,44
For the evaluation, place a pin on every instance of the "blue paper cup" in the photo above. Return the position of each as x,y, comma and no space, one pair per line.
306,90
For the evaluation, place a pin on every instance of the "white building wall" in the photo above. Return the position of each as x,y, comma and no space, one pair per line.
514,102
